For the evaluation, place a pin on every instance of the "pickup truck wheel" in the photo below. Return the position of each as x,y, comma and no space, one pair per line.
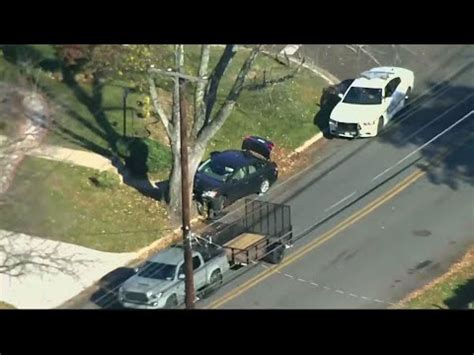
214,283
277,251
171,302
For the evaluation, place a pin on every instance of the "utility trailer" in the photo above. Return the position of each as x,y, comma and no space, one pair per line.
262,233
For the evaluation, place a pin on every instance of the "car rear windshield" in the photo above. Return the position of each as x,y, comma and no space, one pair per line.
159,271
363,96
216,170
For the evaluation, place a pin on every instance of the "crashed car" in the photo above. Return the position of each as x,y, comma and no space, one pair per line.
371,101
233,174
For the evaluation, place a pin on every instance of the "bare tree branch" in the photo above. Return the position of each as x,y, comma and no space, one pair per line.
199,104
20,256
219,70
212,127
179,62
180,57
174,74
156,104
351,48
267,83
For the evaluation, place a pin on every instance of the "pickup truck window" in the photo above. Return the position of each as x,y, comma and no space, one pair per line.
196,262
157,271
181,270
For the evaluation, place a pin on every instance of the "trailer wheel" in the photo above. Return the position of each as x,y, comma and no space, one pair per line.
214,283
171,302
276,254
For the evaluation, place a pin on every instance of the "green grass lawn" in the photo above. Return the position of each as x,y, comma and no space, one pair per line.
76,123
58,201
284,112
455,291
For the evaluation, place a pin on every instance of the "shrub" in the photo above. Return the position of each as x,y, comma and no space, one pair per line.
144,155
106,180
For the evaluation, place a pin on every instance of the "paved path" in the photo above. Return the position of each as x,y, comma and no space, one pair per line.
42,273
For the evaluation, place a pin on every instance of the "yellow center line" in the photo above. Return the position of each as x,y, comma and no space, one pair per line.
409,180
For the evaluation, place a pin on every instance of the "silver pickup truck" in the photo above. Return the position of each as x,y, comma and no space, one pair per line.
159,282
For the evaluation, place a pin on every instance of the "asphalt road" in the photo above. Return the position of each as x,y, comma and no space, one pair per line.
422,217
413,235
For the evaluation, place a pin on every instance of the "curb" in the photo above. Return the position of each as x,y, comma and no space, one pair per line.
308,143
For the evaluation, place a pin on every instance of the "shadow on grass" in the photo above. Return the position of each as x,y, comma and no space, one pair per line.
107,295
463,296
18,54
99,126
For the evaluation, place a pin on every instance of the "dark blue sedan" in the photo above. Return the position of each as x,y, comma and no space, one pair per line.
233,174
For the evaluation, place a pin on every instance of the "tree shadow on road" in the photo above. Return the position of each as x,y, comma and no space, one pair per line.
420,121
417,126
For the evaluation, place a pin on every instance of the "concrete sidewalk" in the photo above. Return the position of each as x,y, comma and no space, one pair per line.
74,156
42,273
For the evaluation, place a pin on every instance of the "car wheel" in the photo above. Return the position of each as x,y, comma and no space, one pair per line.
201,208
214,283
380,125
214,213
171,302
264,187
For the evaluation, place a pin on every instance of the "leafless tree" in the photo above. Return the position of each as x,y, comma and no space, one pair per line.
209,116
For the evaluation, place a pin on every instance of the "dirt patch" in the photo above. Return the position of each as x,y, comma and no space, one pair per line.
289,163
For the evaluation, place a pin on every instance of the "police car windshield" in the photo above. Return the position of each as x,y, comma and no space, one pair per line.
363,96
216,170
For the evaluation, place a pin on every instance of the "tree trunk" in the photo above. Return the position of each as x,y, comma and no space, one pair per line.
195,157
174,187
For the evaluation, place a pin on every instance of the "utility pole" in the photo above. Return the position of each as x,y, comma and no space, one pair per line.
185,198
181,79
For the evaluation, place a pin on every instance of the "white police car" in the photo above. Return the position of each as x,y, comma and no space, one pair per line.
371,101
